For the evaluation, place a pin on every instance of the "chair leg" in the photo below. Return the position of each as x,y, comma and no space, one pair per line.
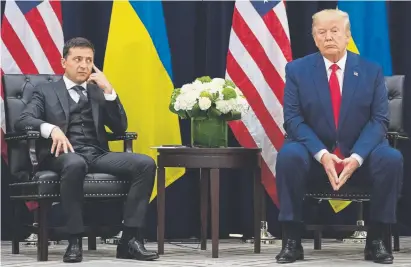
15,230
42,244
92,242
396,238
388,239
317,239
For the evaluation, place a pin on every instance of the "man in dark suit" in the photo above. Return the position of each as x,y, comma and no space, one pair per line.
336,119
72,114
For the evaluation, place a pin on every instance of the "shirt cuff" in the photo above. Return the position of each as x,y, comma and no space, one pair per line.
319,154
45,129
358,158
112,96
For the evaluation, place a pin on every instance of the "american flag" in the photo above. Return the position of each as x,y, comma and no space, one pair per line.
31,43
259,49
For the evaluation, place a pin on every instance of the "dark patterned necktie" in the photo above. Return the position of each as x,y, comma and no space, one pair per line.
80,90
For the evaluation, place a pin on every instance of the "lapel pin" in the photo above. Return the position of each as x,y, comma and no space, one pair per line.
355,73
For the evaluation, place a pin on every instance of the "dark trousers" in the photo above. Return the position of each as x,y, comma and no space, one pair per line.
72,167
382,170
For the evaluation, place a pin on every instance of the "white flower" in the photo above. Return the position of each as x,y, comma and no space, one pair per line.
241,105
196,83
204,103
217,82
187,88
225,106
186,101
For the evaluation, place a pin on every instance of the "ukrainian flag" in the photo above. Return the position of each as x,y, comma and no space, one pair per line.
370,38
138,64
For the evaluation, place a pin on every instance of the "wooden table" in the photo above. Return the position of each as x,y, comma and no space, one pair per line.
209,161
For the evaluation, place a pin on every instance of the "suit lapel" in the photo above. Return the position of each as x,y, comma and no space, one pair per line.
62,95
94,96
321,85
351,76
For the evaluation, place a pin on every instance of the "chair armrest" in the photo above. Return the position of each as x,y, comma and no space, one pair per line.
18,136
31,137
393,137
123,136
127,137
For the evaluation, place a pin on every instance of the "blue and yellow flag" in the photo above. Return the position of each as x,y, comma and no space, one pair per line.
138,64
369,30
369,38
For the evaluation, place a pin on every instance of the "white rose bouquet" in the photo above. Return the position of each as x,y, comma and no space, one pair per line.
209,98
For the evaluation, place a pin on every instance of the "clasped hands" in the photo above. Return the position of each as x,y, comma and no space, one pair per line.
333,165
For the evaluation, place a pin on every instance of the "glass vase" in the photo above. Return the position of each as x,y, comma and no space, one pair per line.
209,133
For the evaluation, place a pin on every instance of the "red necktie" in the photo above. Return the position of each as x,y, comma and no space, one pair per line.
335,93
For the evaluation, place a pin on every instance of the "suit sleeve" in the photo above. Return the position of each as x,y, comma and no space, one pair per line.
114,116
294,123
376,129
33,113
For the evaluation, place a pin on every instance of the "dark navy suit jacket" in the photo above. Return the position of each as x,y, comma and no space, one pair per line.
308,115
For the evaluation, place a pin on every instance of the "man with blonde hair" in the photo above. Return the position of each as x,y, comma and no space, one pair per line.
336,119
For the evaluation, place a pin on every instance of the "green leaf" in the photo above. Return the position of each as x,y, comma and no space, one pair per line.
232,116
196,112
213,112
215,96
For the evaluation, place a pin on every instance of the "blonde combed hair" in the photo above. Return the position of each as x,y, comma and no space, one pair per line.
332,13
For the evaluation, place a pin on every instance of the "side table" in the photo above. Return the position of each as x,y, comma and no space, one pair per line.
209,161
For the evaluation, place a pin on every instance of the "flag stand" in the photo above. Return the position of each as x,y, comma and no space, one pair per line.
358,236
266,237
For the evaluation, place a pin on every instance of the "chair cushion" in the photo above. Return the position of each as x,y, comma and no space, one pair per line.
46,184
349,191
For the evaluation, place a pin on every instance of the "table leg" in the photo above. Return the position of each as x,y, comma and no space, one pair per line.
160,208
258,195
205,176
215,210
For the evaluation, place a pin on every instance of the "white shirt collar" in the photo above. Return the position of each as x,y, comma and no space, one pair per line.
340,63
70,84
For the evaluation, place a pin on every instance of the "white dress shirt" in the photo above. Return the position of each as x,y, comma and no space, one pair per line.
340,77
46,128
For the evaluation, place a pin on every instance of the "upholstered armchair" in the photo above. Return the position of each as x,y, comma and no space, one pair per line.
43,186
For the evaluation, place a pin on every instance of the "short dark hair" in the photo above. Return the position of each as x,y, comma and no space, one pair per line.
76,42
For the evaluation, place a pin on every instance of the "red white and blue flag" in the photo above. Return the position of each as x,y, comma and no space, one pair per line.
259,49
31,43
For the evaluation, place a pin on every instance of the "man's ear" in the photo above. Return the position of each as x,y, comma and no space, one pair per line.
63,62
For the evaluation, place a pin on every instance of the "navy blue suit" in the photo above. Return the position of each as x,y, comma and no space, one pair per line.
363,121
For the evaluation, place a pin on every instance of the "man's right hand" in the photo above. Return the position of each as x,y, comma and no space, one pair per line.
60,142
329,161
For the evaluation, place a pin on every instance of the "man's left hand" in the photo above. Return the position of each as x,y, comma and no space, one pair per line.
100,79
350,166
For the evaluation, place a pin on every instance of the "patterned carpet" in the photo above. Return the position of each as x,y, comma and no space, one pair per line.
232,253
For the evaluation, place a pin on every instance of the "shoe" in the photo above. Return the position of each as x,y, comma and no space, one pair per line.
377,253
134,249
290,252
74,253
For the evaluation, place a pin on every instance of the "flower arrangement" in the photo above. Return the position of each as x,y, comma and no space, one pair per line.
209,98
209,103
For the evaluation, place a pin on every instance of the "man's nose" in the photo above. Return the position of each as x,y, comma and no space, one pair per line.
83,65
328,36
